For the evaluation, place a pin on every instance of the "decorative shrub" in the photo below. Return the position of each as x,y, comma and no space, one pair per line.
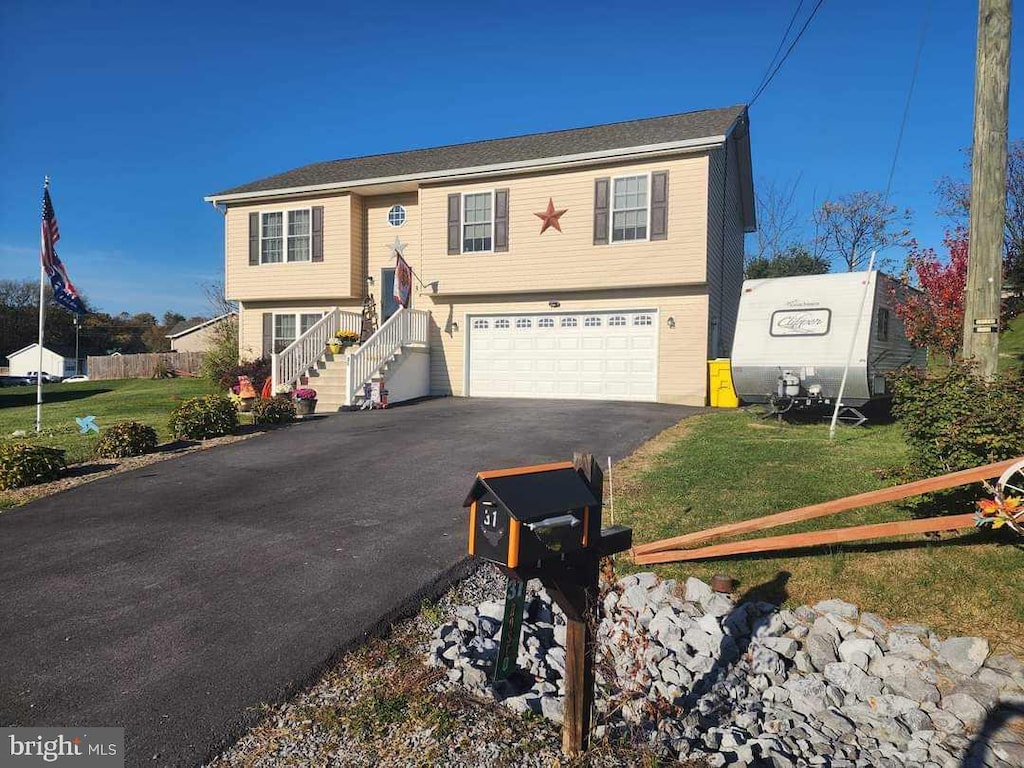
304,393
954,420
199,418
22,465
126,438
273,410
163,370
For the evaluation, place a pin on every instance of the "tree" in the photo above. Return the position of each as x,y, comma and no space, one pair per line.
795,260
777,219
955,202
933,316
850,227
171,318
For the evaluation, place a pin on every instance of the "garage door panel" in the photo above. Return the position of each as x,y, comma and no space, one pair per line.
591,355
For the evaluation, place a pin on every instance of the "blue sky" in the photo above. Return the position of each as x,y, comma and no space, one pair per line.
137,110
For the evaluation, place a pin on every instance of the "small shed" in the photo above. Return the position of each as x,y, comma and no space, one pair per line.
26,359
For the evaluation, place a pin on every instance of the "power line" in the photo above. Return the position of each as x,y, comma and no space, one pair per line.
910,95
782,42
785,56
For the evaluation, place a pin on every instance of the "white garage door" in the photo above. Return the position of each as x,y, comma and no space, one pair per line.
584,355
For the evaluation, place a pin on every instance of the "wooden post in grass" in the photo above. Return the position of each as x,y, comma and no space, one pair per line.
579,634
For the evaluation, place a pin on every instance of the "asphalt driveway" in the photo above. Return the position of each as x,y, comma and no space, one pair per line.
174,599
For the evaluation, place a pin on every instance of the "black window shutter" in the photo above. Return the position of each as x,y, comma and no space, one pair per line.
254,239
268,333
659,205
601,211
455,223
501,220
317,245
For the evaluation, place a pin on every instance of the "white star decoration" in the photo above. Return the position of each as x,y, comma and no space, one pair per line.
397,247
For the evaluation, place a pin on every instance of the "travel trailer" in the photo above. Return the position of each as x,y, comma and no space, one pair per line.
794,335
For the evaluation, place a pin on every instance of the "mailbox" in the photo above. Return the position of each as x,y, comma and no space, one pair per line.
524,516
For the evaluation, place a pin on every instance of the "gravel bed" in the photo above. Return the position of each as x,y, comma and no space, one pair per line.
687,673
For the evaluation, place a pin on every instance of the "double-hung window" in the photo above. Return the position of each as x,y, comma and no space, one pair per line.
477,221
630,208
286,325
277,245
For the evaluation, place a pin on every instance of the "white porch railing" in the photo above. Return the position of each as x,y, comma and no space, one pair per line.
299,356
406,326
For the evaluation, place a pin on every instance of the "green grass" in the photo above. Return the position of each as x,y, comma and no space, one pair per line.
1011,344
143,400
732,466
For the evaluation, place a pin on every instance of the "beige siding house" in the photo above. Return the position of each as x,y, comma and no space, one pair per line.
601,263
198,335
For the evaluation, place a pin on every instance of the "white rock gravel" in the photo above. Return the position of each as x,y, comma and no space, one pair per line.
691,675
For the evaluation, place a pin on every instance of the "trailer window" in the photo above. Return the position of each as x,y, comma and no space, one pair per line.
801,322
882,326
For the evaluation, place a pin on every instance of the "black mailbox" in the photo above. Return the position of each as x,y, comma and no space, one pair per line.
524,516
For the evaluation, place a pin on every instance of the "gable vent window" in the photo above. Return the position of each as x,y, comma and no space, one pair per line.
629,208
523,322
501,323
592,322
481,324
275,246
478,222
546,322
616,320
568,322
396,215
643,320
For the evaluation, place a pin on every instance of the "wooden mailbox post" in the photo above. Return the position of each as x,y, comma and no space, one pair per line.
544,522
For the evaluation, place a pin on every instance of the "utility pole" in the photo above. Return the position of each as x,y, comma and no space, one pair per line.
988,187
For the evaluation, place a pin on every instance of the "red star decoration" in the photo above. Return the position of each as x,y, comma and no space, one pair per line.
550,217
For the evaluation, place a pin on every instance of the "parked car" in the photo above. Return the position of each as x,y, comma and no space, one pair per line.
73,379
15,381
49,378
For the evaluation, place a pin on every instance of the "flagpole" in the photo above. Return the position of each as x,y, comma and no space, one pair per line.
42,317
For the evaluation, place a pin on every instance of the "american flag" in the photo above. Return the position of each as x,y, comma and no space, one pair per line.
64,292
403,280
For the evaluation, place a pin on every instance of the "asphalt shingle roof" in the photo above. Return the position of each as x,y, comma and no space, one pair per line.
632,133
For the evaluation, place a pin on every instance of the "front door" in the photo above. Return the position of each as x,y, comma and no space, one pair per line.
388,305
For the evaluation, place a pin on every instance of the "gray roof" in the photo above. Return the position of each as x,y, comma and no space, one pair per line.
686,126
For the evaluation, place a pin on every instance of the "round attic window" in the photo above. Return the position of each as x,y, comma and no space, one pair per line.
396,215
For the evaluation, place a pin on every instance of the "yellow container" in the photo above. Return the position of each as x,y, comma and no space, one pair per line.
721,393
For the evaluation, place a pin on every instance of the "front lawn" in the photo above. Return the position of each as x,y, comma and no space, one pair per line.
730,466
1011,344
145,400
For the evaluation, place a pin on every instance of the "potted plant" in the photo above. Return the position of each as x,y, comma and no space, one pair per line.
283,390
334,347
346,338
305,401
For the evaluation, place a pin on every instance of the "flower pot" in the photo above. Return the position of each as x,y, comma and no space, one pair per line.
246,404
305,407
335,349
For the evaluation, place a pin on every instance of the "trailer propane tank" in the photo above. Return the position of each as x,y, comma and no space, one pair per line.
788,385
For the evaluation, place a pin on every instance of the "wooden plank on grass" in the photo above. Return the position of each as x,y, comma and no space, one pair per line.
916,488
811,539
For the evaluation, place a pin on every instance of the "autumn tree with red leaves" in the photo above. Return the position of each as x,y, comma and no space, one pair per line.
933,316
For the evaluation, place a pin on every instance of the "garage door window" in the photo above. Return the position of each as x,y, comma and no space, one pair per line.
592,322
568,322
629,209
546,322
643,320
502,323
524,322
481,324
616,320
478,218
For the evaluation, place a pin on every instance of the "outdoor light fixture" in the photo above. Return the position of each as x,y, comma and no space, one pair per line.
671,322
369,279
554,304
